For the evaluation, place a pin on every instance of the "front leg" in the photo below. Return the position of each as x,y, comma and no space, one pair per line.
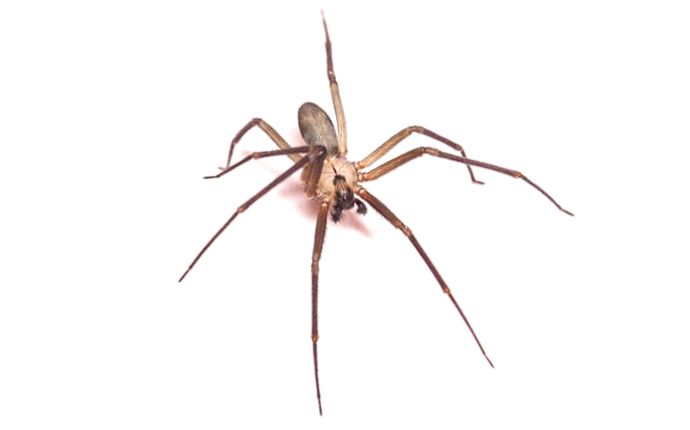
395,221
316,152
319,237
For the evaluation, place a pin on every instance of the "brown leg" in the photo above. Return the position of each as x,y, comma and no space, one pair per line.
270,131
397,138
418,152
316,256
390,216
262,154
318,151
335,94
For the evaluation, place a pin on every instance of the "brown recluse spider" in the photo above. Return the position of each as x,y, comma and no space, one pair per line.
333,180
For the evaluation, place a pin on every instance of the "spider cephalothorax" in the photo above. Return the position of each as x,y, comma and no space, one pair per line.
334,181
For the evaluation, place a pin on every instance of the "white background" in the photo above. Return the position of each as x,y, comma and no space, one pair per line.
110,114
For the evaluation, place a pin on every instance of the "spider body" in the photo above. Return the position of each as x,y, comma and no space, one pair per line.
337,177
336,183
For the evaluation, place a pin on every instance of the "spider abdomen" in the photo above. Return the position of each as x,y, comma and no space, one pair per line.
317,128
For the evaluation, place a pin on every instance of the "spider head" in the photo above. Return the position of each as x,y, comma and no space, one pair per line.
344,199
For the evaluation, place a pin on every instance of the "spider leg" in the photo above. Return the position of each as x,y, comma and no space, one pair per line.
335,94
390,216
319,236
418,152
262,154
404,133
270,131
317,152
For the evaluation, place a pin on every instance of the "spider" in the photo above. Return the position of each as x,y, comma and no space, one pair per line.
335,182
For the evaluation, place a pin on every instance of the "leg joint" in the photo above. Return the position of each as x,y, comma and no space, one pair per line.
431,151
405,229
